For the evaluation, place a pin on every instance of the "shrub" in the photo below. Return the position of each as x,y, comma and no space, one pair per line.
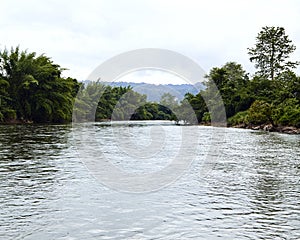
9,114
206,117
288,113
260,112
239,118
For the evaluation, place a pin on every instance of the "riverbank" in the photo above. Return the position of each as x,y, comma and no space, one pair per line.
263,127
16,122
270,128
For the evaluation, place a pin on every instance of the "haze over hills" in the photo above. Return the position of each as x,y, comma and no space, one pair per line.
154,92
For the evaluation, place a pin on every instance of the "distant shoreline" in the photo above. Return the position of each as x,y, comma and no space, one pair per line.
270,128
262,127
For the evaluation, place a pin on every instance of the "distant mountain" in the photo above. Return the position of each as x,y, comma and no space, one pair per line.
154,92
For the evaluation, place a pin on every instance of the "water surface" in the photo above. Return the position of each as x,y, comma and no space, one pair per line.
47,192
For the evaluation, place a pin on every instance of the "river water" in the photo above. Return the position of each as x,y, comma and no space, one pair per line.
48,190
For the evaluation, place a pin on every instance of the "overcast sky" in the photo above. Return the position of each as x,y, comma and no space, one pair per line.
80,35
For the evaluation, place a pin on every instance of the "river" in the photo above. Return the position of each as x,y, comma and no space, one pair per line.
49,191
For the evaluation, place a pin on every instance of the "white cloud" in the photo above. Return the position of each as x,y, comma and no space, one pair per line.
80,35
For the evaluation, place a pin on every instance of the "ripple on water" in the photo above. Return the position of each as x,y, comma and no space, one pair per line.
251,192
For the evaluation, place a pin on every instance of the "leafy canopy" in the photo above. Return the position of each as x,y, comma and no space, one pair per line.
271,52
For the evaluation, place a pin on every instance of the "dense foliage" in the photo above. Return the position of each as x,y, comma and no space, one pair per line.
33,90
102,102
272,96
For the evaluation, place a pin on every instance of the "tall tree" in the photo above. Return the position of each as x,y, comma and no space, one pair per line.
37,92
271,52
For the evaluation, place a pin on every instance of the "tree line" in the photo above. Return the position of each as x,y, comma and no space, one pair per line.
271,96
99,102
32,89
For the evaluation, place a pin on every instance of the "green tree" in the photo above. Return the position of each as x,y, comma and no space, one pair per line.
117,103
36,90
231,81
127,104
261,88
153,111
185,111
260,112
169,101
3,98
198,104
287,113
271,52
286,85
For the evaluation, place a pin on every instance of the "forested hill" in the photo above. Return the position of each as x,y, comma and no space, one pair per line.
154,92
